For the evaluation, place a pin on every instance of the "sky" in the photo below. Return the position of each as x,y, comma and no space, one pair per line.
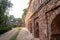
17,8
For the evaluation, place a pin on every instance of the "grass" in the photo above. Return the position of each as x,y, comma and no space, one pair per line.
19,28
15,36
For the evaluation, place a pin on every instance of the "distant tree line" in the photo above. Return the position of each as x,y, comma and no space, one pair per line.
14,22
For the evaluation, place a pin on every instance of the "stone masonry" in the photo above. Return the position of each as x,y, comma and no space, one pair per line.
42,19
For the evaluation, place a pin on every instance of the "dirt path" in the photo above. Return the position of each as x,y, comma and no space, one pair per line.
8,34
24,34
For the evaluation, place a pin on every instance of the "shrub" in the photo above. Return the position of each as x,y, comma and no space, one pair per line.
14,25
4,29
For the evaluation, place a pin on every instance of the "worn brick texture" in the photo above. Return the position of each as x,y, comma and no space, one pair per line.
43,12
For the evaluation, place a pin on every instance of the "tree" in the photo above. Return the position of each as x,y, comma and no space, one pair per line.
18,19
11,17
24,14
4,6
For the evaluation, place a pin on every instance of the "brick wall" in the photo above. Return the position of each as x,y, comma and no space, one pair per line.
43,12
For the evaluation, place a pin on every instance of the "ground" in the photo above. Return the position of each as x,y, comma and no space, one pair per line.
23,34
9,34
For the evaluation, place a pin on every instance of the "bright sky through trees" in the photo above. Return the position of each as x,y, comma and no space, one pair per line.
18,6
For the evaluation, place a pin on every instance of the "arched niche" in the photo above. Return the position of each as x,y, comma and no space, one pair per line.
55,28
31,27
36,30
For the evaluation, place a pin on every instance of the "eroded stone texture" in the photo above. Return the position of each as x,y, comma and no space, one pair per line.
45,13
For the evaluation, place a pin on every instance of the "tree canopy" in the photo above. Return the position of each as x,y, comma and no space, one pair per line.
24,14
4,6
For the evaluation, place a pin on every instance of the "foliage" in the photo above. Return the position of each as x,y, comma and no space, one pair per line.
4,29
24,14
14,21
4,6
18,19
14,25
11,17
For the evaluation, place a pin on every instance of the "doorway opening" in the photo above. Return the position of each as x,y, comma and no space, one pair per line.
55,28
36,33
31,27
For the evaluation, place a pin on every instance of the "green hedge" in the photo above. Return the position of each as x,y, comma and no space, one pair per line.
4,29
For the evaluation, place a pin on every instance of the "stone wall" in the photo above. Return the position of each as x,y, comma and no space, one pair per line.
43,12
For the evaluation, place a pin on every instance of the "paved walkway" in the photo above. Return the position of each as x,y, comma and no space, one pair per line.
24,34
9,34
